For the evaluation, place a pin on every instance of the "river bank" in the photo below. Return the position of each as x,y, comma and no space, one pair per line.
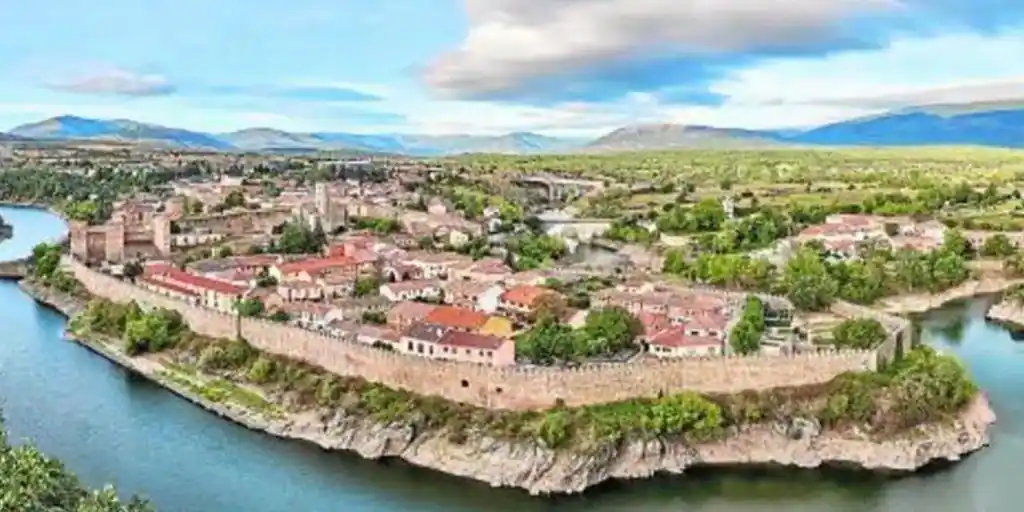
538,470
921,303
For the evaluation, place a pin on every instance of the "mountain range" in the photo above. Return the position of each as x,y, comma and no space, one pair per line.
984,124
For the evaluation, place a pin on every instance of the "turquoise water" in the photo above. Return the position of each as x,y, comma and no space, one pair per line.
108,426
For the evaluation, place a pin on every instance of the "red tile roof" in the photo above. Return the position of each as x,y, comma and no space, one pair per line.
409,311
676,337
470,340
168,286
524,294
456,317
193,281
314,265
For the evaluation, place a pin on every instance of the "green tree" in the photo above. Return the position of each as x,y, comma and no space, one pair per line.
859,333
366,286
249,307
998,246
234,199
807,281
30,481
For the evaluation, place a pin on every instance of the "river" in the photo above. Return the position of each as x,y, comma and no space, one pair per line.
110,427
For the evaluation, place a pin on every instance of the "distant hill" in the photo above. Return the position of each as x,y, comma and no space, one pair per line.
269,139
257,139
6,137
121,130
925,126
678,136
982,124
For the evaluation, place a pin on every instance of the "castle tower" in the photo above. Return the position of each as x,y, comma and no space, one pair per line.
114,242
78,232
322,203
162,234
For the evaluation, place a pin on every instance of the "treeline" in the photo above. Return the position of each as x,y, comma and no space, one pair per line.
812,279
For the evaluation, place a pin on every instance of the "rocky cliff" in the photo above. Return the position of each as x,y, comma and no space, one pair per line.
530,466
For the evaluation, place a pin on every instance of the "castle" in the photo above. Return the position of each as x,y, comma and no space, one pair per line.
134,231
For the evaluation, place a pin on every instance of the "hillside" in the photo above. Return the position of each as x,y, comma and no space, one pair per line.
939,125
677,136
418,145
999,124
125,130
270,139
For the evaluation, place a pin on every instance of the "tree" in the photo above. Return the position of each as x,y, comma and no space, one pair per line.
549,305
31,481
366,286
745,337
132,269
297,238
998,246
807,282
954,241
859,333
249,307
611,330
234,199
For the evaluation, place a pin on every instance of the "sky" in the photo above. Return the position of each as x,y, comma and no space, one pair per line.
557,67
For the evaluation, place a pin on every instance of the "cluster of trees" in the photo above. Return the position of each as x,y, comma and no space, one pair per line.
298,238
921,387
577,293
381,226
140,331
812,280
745,337
629,230
472,203
704,217
751,232
91,211
45,268
31,481
606,332
527,251
860,333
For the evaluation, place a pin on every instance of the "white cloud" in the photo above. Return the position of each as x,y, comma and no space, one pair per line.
113,81
775,93
513,41
954,68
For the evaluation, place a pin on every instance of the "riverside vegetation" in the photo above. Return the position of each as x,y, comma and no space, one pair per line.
31,482
924,387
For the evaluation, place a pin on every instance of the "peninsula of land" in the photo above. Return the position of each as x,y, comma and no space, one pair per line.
539,469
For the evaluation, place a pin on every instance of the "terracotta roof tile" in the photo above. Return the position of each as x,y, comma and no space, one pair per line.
456,318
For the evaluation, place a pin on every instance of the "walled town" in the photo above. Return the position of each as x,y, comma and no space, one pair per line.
518,291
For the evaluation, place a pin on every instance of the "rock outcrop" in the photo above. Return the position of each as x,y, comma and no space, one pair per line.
530,466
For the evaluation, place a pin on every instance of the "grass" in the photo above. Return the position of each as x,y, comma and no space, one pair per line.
218,390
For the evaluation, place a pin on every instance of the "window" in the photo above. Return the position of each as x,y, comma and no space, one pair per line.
419,348
465,383
498,390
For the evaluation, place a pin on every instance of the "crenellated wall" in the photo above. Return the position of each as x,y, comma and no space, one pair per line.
506,388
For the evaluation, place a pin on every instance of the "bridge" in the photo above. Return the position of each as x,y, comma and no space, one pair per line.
17,269
560,188
563,225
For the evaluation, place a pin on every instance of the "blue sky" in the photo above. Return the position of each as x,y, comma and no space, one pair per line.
563,67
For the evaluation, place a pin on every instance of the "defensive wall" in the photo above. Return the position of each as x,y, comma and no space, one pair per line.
494,387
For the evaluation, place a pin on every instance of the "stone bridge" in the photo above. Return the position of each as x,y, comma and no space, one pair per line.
16,269
560,188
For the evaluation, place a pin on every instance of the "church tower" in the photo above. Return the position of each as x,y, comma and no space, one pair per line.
322,203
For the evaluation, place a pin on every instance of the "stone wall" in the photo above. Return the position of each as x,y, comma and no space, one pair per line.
506,388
